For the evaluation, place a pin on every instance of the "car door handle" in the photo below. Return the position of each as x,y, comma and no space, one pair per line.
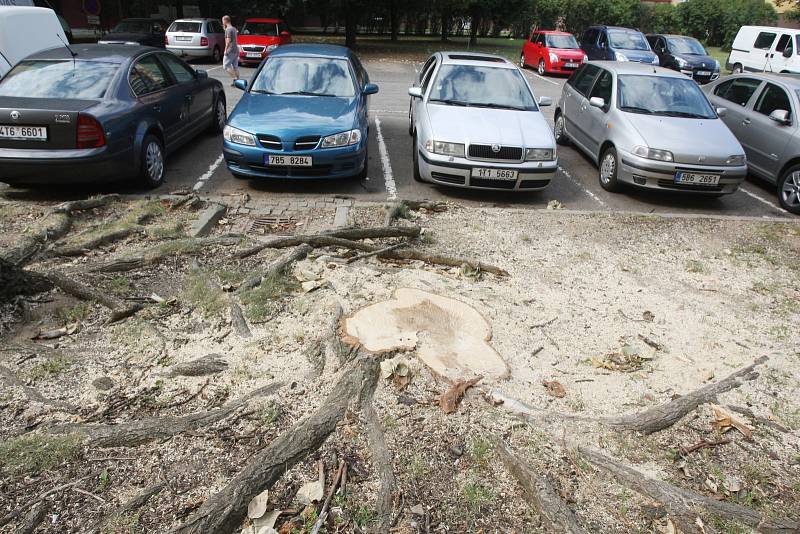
189,98
157,108
746,121
583,108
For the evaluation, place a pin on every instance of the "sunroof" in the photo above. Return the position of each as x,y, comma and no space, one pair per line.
470,57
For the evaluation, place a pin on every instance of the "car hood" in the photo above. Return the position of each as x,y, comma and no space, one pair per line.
457,124
687,139
572,53
699,61
257,40
289,117
643,56
125,36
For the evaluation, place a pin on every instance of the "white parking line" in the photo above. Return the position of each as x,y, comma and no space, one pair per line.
388,177
214,68
580,186
206,175
545,79
762,200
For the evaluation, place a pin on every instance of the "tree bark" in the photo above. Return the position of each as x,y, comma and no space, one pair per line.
119,309
350,24
15,281
394,16
382,463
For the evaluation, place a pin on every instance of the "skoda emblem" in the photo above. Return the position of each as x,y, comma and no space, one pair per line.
495,148
15,115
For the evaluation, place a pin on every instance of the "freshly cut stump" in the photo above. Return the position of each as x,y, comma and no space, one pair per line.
449,336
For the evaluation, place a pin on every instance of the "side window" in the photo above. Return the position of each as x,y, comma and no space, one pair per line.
738,90
541,39
661,45
534,36
426,78
772,98
764,40
583,80
147,76
426,66
603,41
216,27
590,38
361,74
602,87
784,43
179,70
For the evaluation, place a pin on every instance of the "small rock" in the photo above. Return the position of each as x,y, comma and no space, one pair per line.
417,510
456,450
406,400
103,383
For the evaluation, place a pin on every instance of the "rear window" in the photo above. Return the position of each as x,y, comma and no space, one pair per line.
269,29
59,79
185,27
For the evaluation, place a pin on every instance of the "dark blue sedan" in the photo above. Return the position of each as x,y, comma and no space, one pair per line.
110,112
304,115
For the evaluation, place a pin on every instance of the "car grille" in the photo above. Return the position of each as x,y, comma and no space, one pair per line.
448,178
270,141
531,184
506,153
254,48
496,184
308,142
670,184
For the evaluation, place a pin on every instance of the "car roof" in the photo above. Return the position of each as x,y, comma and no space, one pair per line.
552,32
614,27
314,50
275,21
142,19
474,58
791,80
193,19
93,52
631,67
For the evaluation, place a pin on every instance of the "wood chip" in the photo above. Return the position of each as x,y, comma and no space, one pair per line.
554,388
450,399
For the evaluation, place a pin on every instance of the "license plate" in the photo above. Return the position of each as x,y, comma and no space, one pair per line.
571,65
289,161
494,174
183,38
23,133
696,179
704,73
253,54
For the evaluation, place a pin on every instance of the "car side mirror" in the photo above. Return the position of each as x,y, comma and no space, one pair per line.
721,112
240,84
780,115
201,74
602,45
545,101
415,92
370,89
787,52
597,102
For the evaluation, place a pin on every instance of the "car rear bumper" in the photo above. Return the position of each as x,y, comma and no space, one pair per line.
32,167
651,174
532,175
191,51
327,163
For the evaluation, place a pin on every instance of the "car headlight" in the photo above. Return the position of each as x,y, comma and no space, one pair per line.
653,153
270,48
620,56
738,159
585,59
681,62
716,65
352,137
445,149
539,154
553,58
240,137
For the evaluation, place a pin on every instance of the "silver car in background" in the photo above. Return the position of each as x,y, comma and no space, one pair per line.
649,127
477,124
763,115
196,38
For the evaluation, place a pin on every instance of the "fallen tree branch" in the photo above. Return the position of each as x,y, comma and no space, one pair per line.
555,515
33,518
323,512
223,512
375,252
281,265
237,318
382,463
119,309
702,444
685,505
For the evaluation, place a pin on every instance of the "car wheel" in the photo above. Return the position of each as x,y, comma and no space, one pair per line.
522,61
363,174
559,132
220,116
789,190
415,160
541,69
152,165
609,166
737,69
217,55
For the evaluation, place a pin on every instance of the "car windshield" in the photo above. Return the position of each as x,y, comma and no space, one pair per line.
562,41
470,85
686,45
309,76
270,29
663,95
627,40
185,27
59,79
133,26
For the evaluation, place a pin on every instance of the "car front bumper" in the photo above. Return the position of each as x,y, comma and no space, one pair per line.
191,51
700,78
457,172
651,174
560,67
78,166
342,162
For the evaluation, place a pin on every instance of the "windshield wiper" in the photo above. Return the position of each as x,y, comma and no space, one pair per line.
262,92
634,109
497,106
449,102
305,93
685,114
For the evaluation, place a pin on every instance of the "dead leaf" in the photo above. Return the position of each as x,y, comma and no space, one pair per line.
313,491
554,388
258,505
449,400
555,205
725,420
710,484
648,316
668,528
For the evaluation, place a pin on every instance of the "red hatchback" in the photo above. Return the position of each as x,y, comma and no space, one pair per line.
552,52
259,37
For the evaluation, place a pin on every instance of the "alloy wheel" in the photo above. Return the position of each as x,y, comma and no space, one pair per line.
217,55
559,128
607,168
522,61
541,67
154,161
790,193
221,115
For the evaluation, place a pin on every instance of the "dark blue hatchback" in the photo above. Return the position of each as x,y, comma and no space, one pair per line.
304,115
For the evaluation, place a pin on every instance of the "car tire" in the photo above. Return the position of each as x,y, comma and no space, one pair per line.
522,61
542,69
607,171
153,162
216,55
737,68
362,175
789,190
559,130
415,160
220,115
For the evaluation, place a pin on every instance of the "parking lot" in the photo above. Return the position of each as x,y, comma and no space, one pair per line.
200,166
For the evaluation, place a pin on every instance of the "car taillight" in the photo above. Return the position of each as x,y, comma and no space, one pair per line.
166,40
90,133
204,41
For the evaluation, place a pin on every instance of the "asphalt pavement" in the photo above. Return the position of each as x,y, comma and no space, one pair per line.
199,165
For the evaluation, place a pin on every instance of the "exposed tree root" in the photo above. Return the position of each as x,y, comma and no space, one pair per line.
554,513
33,518
398,208
685,505
119,309
278,266
135,503
237,319
382,463
133,433
15,281
223,512
105,238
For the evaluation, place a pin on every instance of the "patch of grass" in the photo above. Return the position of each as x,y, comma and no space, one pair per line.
417,467
122,524
390,423
787,414
779,332
130,333
694,266
481,450
166,230
259,302
727,526
205,294
51,367
476,496
34,453
270,413
364,516
75,313
119,285
428,238
525,238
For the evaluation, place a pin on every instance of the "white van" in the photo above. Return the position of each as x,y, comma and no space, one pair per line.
767,49
25,31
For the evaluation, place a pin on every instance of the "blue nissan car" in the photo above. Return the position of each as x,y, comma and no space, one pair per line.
303,115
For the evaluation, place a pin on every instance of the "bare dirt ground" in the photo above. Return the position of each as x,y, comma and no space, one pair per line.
600,315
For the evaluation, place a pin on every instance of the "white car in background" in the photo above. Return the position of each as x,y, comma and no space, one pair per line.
25,31
477,124
196,38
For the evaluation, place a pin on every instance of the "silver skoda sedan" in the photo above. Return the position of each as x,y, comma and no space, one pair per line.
649,127
476,124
